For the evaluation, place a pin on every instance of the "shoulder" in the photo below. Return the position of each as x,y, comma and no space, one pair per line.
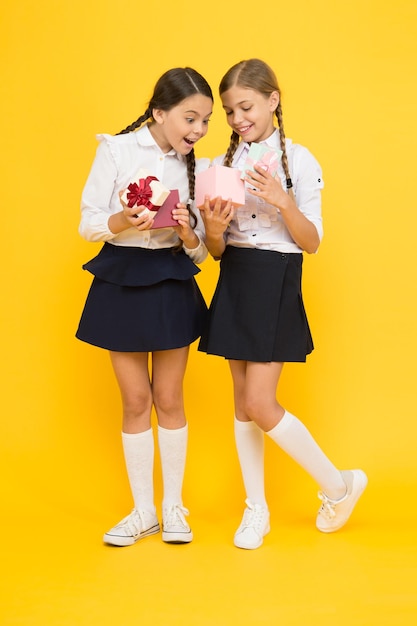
301,158
117,147
299,153
218,160
117,140
303,164
201,165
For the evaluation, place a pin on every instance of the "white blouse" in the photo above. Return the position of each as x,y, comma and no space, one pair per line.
258,224
118,159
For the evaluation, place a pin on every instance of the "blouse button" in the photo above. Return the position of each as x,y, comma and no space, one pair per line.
254,216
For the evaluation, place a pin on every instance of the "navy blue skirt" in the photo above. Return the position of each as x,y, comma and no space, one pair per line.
257,311
142,300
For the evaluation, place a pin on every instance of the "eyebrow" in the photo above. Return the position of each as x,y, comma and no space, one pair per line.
196,113
237,104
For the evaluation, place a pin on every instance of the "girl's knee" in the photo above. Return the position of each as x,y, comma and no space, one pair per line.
135,406
256,408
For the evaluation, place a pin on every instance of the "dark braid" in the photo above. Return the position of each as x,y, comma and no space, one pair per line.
257,75
139,122
191,184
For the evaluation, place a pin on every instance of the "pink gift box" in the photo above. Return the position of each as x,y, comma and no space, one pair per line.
220,181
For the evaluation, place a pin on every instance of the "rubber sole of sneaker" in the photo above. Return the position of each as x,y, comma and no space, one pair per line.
177,537
121,541
253,546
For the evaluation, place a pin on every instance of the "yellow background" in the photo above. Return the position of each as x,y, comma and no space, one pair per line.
347,73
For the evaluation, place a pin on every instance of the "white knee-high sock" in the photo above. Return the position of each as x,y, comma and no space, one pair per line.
294,438
249,440
173,451
139,457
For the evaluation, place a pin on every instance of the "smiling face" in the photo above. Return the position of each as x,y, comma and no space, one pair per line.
250,113
183,125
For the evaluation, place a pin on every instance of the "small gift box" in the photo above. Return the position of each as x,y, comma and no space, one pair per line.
163,217
219,181
145,190
262,155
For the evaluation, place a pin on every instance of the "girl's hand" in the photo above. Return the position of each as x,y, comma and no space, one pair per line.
133,215
184,229
270,189
216,214
266,187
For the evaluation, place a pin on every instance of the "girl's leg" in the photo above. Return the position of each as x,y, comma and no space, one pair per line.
131,370
168,369
249,439
286,430
341,489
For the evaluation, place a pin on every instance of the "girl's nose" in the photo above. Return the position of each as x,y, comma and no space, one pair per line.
199,129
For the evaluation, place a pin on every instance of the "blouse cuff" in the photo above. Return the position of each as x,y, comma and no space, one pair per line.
197,254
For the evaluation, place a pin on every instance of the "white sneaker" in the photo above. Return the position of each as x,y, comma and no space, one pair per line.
253,527
135,526
174,526
333,514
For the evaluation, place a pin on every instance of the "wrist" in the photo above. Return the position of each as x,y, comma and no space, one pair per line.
118,222
192,242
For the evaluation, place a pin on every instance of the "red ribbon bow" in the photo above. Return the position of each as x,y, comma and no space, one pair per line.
140,194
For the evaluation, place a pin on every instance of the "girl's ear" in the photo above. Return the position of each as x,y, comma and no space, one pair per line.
274,100
158,116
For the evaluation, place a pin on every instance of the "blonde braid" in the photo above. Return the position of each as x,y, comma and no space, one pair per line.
234,142
284,158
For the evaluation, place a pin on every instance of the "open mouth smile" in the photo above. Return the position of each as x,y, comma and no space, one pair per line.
242,130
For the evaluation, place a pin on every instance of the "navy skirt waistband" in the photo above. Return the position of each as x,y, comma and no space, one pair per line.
135,267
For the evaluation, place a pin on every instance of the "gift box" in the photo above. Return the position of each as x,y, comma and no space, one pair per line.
163,217
219,181
145,190
262,155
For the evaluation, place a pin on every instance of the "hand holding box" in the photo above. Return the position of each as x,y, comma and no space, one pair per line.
220,181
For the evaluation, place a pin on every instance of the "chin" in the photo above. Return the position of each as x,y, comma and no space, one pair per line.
185,150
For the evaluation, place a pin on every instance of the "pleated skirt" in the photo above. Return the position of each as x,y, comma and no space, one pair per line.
142,300
257,311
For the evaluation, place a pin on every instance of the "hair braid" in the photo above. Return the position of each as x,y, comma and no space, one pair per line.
190,158
234,142
284,158
139,122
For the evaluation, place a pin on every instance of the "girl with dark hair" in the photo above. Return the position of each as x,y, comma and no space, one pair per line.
144,299
257,319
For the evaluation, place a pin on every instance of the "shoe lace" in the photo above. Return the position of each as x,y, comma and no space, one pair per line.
174,515
328,506
135,522
253,517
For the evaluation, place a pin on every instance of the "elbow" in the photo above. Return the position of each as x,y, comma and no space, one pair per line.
313,244
312,249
